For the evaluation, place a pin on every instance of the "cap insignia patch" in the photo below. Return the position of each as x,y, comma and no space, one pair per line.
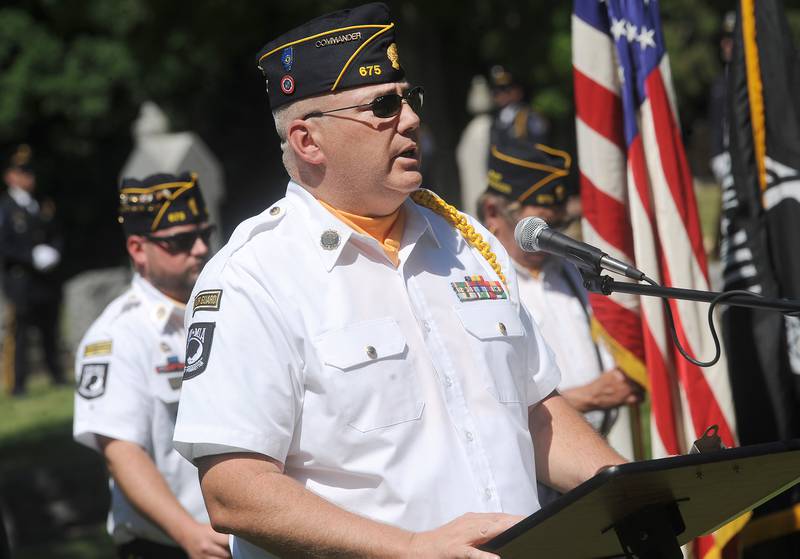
287,84
287,58
394,58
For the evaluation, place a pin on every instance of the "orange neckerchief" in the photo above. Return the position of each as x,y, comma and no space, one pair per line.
387,229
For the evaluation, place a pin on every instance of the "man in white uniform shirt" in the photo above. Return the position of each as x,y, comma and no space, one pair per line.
527,180
364,381
129,368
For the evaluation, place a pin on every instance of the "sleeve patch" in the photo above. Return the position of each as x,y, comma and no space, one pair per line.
92,382
198,348
208,300
98,348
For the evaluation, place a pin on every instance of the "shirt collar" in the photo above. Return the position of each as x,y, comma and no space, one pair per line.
160,308
417,225
319,221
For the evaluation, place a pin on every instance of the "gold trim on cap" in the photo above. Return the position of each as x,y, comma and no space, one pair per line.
352,57
555,172
273,51
181,186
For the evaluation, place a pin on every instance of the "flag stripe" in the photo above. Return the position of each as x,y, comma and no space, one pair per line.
601,161
673,163
608,122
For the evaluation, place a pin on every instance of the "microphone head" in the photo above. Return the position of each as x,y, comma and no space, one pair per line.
527,232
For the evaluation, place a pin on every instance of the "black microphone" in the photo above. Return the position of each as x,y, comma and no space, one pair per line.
533,234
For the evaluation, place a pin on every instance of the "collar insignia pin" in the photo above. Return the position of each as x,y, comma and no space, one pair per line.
329,239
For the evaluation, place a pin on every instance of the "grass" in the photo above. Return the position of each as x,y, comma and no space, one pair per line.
708,206
35,415
53,489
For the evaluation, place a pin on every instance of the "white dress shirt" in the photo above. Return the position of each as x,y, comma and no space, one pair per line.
558,303
377,387
129,367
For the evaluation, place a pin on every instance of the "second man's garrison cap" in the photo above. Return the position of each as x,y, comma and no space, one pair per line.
160,201
348,48
531,174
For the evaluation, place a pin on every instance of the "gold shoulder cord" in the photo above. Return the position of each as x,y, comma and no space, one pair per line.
431,201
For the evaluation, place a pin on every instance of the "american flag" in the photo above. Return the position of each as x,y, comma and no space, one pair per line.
639,206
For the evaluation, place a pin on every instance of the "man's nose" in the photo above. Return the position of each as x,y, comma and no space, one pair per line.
409,119
200,247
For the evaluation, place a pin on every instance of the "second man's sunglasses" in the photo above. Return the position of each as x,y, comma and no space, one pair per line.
183,242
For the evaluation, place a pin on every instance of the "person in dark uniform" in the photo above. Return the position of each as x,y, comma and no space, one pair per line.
30,247
514,118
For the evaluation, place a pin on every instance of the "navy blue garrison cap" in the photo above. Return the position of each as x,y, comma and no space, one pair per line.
160,201
531,174
348,48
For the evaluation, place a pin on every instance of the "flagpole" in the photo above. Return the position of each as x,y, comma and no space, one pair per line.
637,435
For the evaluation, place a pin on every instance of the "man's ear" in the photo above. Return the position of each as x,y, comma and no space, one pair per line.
136,250
492,215
302,138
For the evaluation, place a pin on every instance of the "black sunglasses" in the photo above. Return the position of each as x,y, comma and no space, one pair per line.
386,105
183,242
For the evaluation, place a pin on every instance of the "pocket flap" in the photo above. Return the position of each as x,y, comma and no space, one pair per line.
490,319
361,343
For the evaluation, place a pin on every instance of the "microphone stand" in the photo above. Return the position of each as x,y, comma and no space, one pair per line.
606,285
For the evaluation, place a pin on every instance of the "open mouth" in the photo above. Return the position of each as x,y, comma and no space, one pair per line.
411,153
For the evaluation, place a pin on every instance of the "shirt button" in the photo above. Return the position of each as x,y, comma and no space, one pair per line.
448,381
372,353
502,328
427,326
470,436
487,493
275,210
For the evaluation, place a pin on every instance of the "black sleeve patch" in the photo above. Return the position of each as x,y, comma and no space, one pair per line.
198,348
92,382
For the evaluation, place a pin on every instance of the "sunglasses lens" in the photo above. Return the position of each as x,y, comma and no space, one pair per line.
386,105
183,242
205,235
415,99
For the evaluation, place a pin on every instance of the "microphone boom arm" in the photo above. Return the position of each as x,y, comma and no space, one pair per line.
606,285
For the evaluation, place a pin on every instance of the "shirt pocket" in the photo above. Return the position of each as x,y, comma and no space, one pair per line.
497,341
371,373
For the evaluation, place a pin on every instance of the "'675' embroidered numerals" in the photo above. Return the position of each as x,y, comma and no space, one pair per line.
371,70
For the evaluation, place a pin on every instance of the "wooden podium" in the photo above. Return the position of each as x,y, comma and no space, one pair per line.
649,509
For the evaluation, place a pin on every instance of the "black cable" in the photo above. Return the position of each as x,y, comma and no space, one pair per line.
716,300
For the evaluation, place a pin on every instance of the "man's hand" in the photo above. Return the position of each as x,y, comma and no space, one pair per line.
459,539
611,389
200,541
